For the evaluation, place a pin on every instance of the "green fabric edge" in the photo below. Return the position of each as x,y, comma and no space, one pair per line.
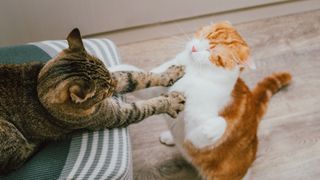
46,164
49,161
22,54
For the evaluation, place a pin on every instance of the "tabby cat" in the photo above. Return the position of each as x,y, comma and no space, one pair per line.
217,132
41,102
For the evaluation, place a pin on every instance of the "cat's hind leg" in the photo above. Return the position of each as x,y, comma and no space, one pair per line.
166,138
14,148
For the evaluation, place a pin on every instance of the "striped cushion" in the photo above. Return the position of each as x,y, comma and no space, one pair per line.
102,154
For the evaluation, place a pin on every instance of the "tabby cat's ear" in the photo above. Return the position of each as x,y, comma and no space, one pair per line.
81,90
74,40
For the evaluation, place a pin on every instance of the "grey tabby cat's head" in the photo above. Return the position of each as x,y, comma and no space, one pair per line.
74,82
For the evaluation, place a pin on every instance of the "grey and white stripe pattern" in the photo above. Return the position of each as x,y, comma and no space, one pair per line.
102,154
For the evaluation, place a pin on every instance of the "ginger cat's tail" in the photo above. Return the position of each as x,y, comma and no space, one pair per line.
267,87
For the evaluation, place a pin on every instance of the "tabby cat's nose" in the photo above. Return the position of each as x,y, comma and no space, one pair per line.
193,49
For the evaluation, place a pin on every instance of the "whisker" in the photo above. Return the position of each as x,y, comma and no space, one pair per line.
164,34
175,45
203,58
183,32
178,38
182,45
177,41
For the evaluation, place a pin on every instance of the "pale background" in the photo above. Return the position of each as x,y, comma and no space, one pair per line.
126,21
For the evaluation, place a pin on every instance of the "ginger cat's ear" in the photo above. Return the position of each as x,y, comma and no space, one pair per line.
81,90
74,40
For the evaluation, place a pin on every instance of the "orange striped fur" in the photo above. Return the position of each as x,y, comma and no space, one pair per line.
228,49
231,157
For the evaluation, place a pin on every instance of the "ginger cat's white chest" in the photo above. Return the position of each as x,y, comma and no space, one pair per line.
206,93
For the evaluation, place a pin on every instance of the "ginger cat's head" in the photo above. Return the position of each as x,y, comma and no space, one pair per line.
73,82
220,45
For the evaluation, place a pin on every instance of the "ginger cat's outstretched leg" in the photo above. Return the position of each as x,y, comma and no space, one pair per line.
166,138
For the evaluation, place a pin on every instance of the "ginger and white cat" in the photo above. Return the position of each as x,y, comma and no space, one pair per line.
217,132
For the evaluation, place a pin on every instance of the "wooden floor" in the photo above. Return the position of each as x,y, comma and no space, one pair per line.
290,132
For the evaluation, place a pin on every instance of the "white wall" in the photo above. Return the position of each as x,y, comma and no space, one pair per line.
33,20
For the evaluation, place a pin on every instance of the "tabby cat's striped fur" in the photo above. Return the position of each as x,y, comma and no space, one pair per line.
41,102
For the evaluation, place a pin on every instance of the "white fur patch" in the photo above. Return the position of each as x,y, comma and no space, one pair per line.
166,138
209,132
207,89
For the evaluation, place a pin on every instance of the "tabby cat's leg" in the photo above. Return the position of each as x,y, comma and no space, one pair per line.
120,114
128,81
14,148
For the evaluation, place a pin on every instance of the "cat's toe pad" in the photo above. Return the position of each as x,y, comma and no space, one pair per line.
166,138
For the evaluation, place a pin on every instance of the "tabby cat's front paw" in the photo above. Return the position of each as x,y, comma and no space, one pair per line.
172,74
176,103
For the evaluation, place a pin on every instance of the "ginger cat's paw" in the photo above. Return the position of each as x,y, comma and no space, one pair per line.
166,138
176,103
172,74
